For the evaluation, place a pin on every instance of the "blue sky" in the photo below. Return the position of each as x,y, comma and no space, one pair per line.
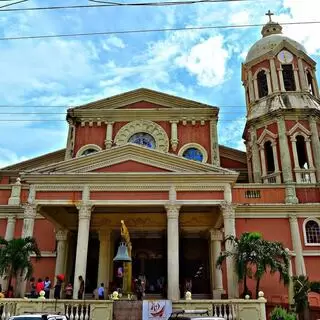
57,73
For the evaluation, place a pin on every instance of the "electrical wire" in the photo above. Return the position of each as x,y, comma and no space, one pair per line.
149,31
104,4
11,4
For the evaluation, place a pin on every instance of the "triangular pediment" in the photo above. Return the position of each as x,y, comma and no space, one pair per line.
140,99
131,158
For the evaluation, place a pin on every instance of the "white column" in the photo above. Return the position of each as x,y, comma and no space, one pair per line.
255,156
302,75
104,258
255,85
263,161
315,83
9,235
309,153
82,245
281,79
296,79
173,251
290,285
284,150
216,273
174,134
109,132
61,237
275,156
269,82
274,78
11,225
250,85
295,153
315,145
29,215
228,212
296,244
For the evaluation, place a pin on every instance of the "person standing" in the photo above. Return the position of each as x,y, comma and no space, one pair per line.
101,292
57,288
81,288
69,291
39,286
47,287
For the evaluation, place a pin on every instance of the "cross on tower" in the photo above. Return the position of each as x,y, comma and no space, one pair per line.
269,14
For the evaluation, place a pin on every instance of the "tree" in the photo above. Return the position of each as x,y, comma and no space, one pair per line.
244,253
15,257
272,257
254,257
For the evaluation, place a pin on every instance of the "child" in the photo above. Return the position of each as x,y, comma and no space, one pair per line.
68,291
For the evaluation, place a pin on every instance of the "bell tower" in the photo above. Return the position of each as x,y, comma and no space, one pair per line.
283,112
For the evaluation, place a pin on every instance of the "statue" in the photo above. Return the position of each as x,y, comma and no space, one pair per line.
125,233
127,278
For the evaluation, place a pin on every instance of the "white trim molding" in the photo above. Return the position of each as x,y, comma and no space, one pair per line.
306,243
86,147
196,146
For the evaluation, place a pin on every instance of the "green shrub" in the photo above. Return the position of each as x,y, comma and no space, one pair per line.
279,313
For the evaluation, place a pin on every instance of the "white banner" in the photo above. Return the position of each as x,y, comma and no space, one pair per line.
156,309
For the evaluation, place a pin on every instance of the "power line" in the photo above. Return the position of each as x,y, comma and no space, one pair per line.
104,4
149,30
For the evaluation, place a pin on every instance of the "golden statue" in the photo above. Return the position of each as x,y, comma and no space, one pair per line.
127,266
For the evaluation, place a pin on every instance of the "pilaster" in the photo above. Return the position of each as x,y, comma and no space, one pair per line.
315,145
174,134
215,156
282,88
255,156
296,79
70,141
173,251
274,77
302,76
284,151
109,134
29,215
296,243
228,211
250,85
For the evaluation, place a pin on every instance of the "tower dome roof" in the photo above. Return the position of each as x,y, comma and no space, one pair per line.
271,37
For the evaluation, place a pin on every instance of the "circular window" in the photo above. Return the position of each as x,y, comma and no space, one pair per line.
193,154
143,139
88,151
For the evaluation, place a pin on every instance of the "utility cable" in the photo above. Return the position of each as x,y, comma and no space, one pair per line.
149,30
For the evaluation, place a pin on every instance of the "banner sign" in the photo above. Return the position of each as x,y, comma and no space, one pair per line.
156,309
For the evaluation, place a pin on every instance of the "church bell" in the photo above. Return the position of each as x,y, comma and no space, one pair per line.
122,254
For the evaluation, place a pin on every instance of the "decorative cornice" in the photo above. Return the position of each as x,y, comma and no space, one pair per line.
228,210
85,210
30,211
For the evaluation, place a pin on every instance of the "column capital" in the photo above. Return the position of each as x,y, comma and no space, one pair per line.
12,219
30,210
215,235
84,210
172,211
293,217
62,235
228,210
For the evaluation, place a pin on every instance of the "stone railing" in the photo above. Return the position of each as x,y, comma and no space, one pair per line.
237,309
74,309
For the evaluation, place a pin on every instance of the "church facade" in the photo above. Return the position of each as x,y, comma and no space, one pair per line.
154,161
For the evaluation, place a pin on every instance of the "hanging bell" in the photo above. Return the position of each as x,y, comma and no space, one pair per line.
122,254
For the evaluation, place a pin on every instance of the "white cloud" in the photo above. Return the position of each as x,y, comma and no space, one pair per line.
8,157
241,17
113,42
207,61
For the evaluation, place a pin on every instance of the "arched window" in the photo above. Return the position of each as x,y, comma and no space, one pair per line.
143,139
88,151
262,84
288,77
312,232
269,157
310,83
301,152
